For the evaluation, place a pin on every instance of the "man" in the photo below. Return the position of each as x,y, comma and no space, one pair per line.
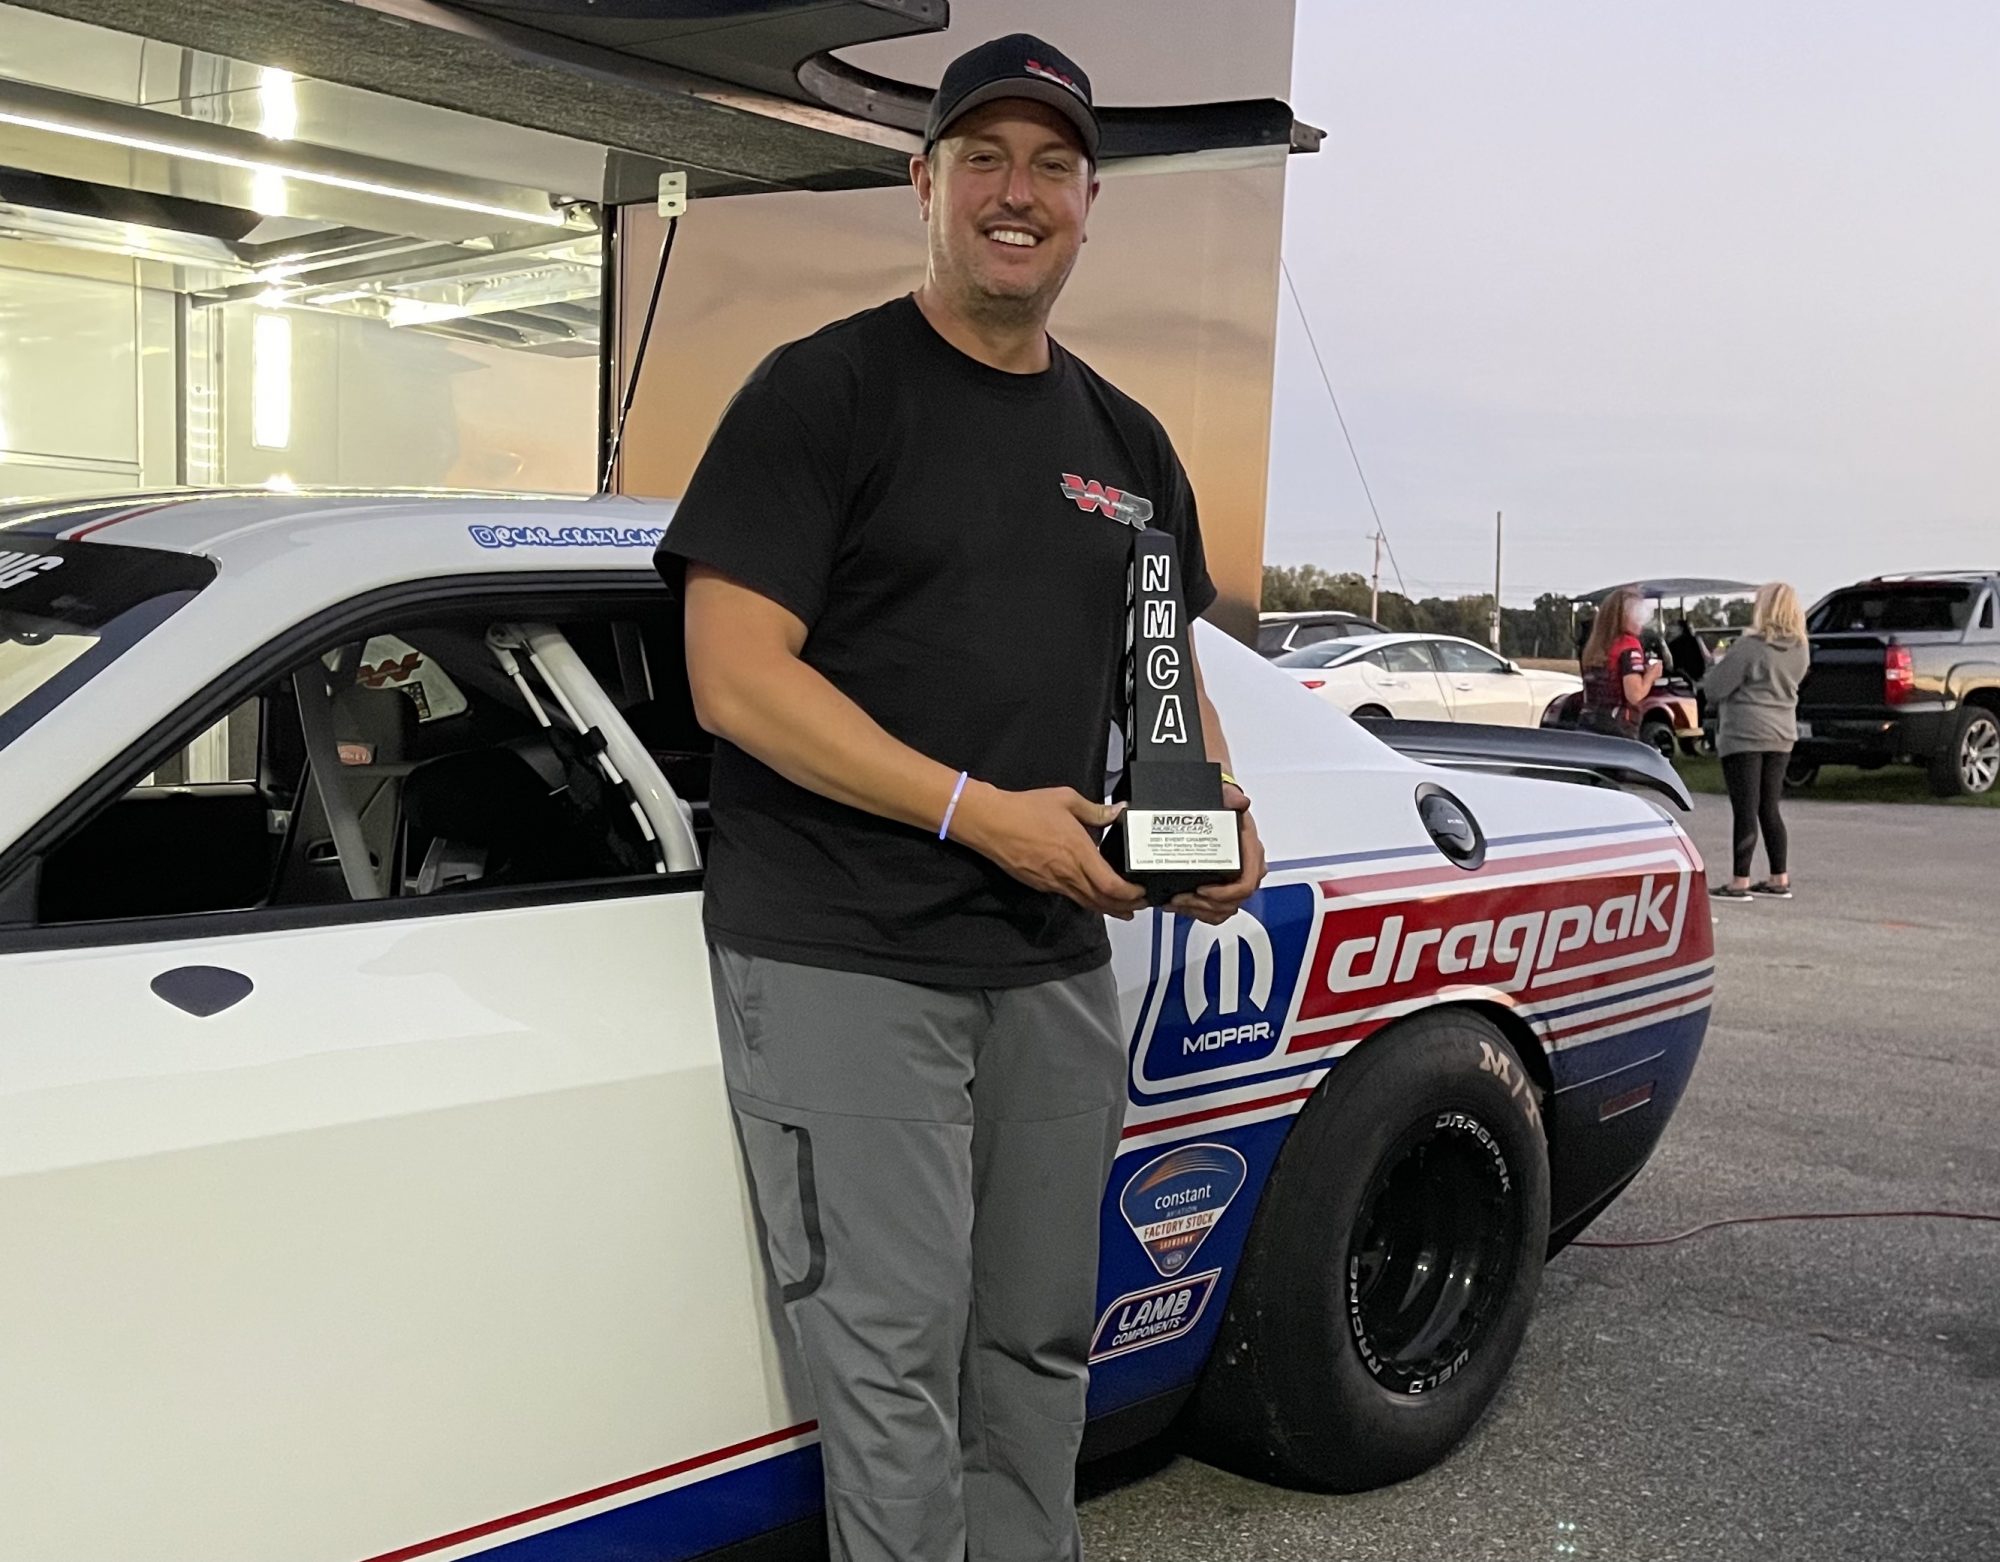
907,638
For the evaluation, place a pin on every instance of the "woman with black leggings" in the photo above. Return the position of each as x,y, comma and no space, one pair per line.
1753,696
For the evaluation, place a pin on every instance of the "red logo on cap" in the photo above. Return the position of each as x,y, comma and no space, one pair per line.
1056,76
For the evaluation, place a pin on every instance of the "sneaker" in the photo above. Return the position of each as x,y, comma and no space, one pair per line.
1769,891
1725,892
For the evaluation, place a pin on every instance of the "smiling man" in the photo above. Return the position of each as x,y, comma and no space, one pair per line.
905,614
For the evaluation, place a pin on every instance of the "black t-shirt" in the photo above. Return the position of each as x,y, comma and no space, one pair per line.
939,526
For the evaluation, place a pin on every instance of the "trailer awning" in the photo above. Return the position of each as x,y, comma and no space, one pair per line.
745,95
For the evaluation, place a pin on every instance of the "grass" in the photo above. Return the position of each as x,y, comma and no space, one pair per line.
1840,784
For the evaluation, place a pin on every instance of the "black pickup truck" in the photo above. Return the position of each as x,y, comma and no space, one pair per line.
1906,667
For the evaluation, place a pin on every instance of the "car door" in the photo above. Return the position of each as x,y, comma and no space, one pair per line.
1483,688
1403,679
367,1229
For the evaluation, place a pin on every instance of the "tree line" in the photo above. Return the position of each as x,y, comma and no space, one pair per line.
1546,629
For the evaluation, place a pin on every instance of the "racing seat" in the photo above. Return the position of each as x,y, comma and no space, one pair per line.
356,740
533,811
482,816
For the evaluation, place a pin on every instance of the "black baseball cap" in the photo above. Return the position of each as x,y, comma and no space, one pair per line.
1017,66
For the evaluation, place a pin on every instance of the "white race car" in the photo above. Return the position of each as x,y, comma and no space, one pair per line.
366,1182
1423,677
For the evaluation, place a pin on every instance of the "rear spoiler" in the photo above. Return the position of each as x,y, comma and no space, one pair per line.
1550,753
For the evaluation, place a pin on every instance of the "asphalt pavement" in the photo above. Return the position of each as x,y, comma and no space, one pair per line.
1818,1392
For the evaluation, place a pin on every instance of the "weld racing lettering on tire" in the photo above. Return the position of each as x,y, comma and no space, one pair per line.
1444,1122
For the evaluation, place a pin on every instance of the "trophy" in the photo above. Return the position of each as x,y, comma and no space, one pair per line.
1175,834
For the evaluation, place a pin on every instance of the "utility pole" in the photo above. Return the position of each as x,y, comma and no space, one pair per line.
1496,582
1375,581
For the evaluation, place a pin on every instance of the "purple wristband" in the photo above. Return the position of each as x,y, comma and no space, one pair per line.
956,793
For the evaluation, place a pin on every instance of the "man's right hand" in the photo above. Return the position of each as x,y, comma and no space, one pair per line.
1043,838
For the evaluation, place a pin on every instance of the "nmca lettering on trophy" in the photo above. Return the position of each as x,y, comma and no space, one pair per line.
1225,992
1535,939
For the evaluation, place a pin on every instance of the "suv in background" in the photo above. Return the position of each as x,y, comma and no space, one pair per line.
1906,667
1278,633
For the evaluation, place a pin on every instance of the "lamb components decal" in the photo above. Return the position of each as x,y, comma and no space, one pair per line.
1175,1200
1152,1317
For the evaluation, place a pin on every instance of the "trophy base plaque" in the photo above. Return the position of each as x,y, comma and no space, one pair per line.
1174,834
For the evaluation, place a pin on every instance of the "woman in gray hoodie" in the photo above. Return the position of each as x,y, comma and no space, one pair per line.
1753,695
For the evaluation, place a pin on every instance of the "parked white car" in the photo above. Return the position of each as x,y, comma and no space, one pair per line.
367,1182
1418,677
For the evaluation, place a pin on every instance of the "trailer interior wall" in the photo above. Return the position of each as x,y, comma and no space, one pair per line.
1175,298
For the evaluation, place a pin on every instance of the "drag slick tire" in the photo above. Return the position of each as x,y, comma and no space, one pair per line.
1390,1273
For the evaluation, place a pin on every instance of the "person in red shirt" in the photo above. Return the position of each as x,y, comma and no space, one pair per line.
1617,676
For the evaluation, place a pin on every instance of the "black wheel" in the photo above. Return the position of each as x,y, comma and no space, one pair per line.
1659,736
1392,1267
1372,713
1967,764
1800,774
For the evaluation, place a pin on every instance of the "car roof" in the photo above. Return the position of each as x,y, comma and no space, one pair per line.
348,530
1316,615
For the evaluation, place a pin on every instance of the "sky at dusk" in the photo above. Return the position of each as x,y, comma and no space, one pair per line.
1692,288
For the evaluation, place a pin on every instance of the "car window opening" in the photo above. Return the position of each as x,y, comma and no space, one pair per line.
1895,607
417,761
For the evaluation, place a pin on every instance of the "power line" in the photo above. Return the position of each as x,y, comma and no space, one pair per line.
1327,380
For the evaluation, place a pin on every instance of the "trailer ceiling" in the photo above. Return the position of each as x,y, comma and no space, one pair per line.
744,94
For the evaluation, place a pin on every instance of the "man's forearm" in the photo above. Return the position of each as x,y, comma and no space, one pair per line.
789,716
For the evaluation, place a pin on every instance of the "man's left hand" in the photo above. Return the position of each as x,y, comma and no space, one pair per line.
1214,903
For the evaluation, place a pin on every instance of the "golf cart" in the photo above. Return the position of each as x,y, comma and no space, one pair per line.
1670,717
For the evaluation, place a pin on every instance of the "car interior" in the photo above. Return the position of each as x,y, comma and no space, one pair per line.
407,761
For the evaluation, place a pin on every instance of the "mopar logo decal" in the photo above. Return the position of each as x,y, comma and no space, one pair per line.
1176,1199
1226,993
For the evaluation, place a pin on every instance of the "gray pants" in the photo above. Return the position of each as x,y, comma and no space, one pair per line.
928,1164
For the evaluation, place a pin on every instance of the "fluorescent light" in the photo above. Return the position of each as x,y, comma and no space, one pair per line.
258,165
271,382
277,103
267,193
